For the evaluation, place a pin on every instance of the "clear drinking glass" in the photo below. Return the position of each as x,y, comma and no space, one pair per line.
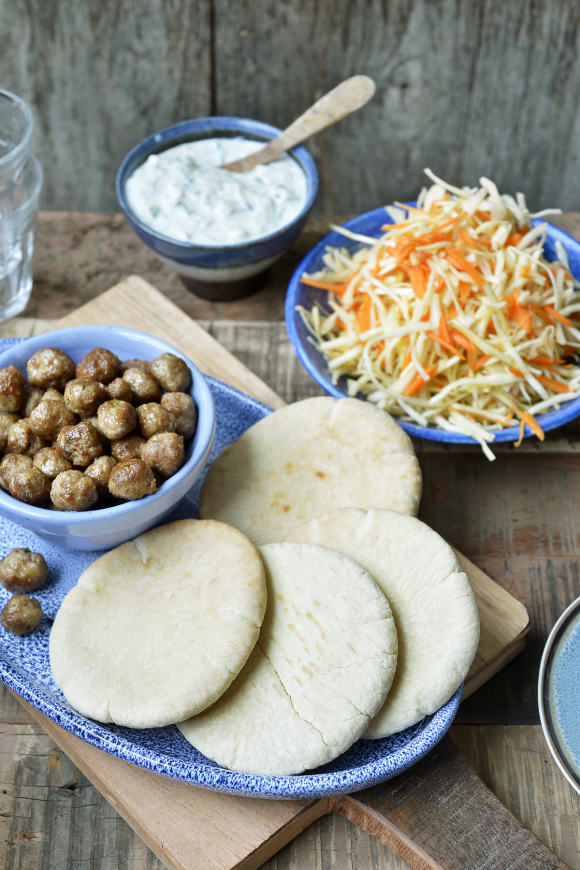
15,130
18,226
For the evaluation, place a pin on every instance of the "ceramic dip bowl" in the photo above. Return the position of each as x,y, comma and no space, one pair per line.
228,272
100,529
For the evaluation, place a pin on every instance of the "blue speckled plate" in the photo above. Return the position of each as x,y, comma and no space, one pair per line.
369,224
559,693
25,668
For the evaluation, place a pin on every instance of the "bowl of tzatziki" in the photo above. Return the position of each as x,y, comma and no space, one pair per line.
219,230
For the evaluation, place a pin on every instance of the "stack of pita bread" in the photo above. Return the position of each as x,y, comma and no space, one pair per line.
307,608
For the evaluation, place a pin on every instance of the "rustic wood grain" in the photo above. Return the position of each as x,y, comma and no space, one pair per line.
467,88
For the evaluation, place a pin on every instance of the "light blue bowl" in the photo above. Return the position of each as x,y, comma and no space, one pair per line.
25,668
369,224
102,528
211,263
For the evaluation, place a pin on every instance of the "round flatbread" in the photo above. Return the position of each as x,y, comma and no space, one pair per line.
320,671
158,628
431,598
309,458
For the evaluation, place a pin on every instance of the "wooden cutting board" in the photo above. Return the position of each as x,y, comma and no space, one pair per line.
431,817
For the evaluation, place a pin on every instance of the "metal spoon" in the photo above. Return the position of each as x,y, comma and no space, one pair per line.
343,100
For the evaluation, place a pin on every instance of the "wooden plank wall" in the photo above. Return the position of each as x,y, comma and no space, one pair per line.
469,88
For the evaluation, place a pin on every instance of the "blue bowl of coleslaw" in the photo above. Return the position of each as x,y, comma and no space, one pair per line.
301,295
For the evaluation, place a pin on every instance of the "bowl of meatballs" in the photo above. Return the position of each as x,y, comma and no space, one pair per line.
102,431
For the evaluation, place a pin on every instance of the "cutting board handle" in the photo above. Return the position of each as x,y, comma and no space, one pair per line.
440,816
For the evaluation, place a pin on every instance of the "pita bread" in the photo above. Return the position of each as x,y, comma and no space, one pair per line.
320,671
158,628
431,598
308,458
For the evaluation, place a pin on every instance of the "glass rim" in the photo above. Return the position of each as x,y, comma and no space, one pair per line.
25,141
33,194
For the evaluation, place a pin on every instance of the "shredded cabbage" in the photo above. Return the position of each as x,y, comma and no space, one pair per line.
453,316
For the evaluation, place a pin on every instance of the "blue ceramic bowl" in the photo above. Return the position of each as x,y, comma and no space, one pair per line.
25,667
559,693
102,528
369,224
216,263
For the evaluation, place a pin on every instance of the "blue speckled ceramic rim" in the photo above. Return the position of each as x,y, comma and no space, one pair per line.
544,705
368,224
312,785
200,128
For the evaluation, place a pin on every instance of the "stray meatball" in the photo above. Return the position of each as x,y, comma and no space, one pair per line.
6,422
155,418
52,396
132,479
51,462
184,410
10,464
30,486
128,447
120,389
73,491
23,571
21,439
99,365
80,444
49,417
50,367
32,398
21,614
100,471
172,372
116,419
134,364
164,453
84,397
145,387
12,386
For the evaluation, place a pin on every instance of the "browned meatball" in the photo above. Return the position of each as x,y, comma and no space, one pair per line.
128,447
132,479
145,388
134,364
30,486
52,396
164,453
32,398
172,372
116,419
73,491
120,389
49,417
155,418
21,614
50,367
84,397
99,365
23,571
100,471
6,421
21,439
10,464
12,386
184,410
51,462
80,444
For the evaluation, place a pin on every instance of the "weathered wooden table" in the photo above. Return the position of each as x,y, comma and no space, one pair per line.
517,518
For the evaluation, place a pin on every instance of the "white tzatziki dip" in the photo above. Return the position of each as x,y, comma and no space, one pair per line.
181,193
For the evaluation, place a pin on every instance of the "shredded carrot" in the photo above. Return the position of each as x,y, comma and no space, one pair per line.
521,438
552,384
417,280
481,362
417,383
338,288
532,423
556,314
445,344
364,314
459,338
461,263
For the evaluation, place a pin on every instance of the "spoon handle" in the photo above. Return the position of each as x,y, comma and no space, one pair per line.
341,101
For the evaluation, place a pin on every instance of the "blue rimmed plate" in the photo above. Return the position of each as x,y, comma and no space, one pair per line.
559,693
25,668
369,224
